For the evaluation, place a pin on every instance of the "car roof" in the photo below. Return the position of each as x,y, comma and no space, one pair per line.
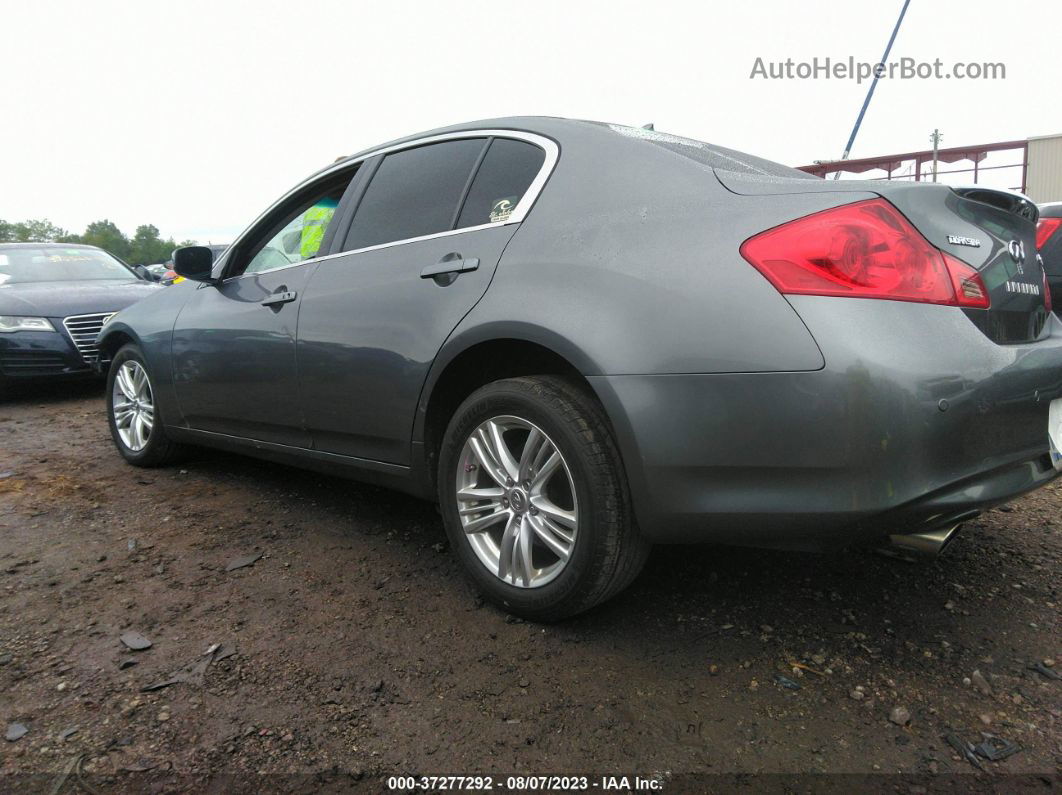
591,136
543,125
555,127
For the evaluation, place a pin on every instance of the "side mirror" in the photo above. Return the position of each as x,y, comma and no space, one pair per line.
195,263
145,273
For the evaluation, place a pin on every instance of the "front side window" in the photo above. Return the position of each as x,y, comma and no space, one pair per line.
299,238
293,231
501,181
414,193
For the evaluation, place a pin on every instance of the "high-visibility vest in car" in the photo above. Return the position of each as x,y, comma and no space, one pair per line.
314,222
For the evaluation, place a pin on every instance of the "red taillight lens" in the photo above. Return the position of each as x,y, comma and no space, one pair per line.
862,250
1044,229
969,289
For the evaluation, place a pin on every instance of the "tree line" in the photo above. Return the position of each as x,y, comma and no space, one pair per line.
145,247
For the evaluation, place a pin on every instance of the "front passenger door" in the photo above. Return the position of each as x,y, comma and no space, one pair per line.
234,366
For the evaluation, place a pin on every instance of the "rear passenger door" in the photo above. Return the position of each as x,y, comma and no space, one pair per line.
419,252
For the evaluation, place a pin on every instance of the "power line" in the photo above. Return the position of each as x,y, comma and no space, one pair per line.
873,85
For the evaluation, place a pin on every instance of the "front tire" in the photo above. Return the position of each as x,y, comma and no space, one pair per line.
132,412
535,499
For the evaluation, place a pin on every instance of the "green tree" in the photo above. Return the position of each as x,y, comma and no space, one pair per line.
146,247
33,231
107,236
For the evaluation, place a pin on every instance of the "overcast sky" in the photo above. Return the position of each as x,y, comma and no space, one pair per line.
194,116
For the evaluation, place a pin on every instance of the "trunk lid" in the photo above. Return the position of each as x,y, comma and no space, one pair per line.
993,231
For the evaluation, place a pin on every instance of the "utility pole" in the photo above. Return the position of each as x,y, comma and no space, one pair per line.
935,140
873,85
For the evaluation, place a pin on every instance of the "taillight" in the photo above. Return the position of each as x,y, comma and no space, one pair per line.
1044,229
863,250
969,289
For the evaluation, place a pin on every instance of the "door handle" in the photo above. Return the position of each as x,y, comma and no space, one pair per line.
451,263
276,299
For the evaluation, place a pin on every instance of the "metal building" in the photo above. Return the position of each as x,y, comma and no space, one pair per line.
1044,183
1032,166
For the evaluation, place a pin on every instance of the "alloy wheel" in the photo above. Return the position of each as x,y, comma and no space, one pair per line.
132,404
517,502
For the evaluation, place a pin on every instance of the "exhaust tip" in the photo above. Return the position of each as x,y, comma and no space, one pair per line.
921,545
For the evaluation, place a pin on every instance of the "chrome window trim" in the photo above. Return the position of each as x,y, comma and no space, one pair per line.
523,207
228,279
377,247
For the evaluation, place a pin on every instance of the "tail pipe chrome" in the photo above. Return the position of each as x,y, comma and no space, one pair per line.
924,544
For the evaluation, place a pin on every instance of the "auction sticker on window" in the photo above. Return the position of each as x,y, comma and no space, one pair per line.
501,209
1054,431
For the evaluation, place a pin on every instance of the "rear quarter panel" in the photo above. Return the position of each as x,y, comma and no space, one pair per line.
631,258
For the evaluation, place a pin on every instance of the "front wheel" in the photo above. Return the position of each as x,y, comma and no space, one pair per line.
132,412
535,500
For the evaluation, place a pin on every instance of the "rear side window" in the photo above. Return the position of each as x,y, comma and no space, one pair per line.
414,192
502,180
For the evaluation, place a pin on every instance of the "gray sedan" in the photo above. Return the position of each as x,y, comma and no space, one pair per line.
581,339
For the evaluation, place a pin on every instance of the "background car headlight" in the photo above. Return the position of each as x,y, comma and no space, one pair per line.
13,323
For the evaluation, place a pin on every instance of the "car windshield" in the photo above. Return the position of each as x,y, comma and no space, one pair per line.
30,264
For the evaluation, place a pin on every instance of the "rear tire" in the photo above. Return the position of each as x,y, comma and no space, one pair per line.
583,545
137,426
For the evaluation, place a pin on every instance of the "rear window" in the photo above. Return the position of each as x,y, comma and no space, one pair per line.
502,180
414,192
710,155
32,264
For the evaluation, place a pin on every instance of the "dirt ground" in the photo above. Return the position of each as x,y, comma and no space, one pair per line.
353,649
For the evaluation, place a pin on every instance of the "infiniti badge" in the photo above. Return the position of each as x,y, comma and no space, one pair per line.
1017,253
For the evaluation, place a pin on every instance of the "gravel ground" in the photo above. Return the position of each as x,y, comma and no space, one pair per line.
352,649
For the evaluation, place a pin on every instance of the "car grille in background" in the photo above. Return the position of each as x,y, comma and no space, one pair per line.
83,330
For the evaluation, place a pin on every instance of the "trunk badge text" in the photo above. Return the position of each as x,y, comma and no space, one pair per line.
958,240
1023,287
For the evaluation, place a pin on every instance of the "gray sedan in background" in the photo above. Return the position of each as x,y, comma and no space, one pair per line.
581,339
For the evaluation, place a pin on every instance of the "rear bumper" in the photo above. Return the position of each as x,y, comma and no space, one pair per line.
917,418
40,354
